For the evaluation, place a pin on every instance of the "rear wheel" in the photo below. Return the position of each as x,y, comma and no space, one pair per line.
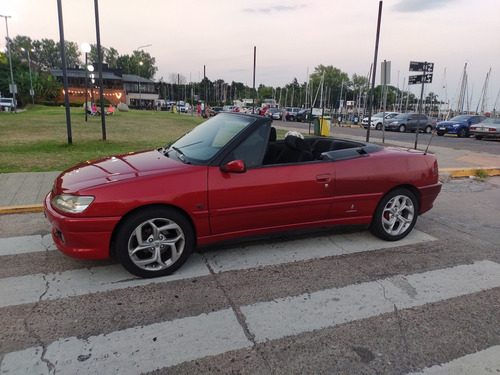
402,128
478,137
395,215
428,129
154,242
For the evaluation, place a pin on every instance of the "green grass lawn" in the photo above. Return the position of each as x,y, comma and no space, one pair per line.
37,140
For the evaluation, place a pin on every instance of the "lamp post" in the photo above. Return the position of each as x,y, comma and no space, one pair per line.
14,102
139,83
32,92
86,49
90,68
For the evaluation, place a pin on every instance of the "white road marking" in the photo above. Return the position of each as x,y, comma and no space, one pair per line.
293,315
135,350
305,249
39,287
25,244
32,288
484,362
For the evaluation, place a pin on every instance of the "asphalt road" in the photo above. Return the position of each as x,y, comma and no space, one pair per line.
327,302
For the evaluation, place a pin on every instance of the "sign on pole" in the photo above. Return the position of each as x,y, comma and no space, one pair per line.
385,75
424,78
416,66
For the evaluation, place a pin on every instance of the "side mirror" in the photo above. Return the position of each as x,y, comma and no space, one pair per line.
235,166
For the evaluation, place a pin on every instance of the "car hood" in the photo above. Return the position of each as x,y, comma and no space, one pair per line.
115,169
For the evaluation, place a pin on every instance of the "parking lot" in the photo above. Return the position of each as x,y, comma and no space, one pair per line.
331,301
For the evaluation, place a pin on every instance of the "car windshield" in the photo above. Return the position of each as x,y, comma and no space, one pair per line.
204,141
460,118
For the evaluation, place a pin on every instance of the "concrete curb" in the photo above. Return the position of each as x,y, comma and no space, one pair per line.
21,209
466,172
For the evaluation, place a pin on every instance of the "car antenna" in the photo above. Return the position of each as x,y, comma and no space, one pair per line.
430,140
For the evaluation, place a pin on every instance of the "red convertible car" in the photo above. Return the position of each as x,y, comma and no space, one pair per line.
227,178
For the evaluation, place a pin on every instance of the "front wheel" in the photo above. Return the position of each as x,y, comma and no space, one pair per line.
462,133
395,215
440,134
378,126
154,242
402,128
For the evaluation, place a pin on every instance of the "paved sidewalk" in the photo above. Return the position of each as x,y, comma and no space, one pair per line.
25,192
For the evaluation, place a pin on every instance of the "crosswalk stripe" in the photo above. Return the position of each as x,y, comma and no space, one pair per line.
25,244
32,288
134,350
294,315
306,249
215,333
484,362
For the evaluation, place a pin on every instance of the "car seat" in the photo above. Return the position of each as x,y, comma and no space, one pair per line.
295,150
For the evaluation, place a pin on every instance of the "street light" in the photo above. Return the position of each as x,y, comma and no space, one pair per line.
32,92
14,102
139,83
86,49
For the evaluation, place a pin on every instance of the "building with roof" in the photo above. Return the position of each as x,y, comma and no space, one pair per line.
117,87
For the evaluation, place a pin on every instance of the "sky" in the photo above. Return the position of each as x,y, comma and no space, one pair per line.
291,37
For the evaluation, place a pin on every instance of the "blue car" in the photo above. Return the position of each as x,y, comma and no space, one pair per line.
459,125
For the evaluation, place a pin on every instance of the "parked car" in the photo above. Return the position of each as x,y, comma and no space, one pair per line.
215,110
377,120
303,115
228,178
489,128
274,113
458,125
409,122
290,113
7,104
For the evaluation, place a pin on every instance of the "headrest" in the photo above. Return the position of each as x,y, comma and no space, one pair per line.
296,143
272,135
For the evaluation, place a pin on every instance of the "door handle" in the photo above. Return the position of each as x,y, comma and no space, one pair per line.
323,178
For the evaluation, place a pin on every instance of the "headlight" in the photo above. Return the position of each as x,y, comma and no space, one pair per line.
456,125
74,204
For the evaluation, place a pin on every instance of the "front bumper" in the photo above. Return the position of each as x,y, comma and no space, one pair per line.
80,237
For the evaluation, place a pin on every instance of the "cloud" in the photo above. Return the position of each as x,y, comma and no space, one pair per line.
420,5
277,8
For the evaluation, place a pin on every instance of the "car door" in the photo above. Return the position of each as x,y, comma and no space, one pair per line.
269,196
278,195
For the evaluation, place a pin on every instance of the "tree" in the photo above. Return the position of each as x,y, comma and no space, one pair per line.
139,63
177,78
109,56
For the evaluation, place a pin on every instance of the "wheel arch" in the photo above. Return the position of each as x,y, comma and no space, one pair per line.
146,207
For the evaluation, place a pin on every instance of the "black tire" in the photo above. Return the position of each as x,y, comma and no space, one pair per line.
462,133
478,137
440,134
166,230
428,129
395,215
402,128
292,118
378,126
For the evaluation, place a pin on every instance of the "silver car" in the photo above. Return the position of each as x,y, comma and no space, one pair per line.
489,128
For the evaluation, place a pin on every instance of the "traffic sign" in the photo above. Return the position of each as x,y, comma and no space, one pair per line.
424,78
416,66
